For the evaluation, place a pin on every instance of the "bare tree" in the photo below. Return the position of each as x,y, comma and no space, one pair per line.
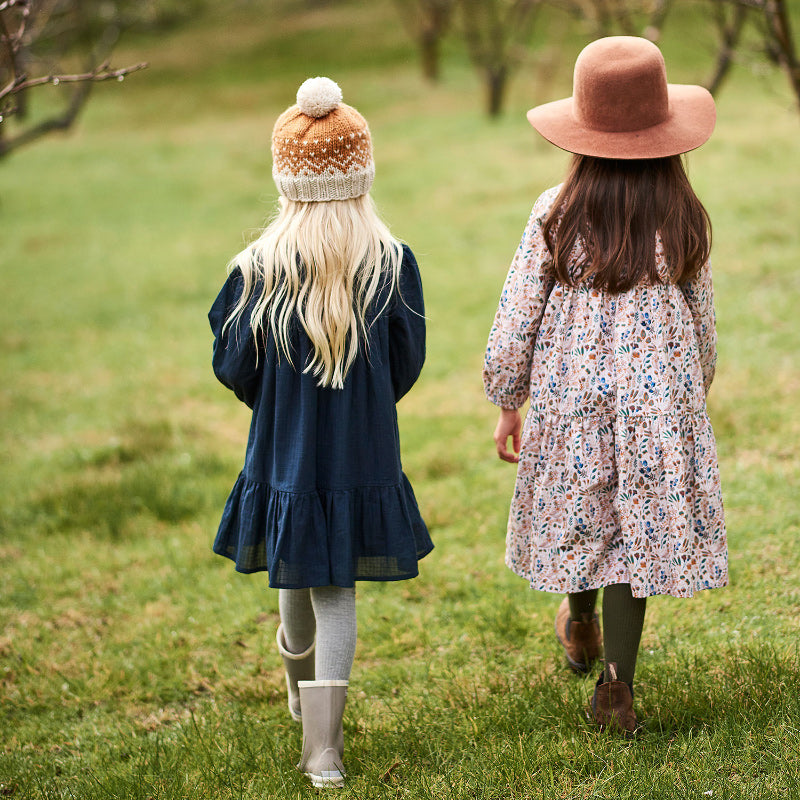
496,33
771,17
628,17
779,39
427,21
729,19
36,38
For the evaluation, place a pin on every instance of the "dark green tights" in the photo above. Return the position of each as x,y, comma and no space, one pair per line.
623,620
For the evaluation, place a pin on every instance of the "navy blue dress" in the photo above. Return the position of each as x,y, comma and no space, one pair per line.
322,499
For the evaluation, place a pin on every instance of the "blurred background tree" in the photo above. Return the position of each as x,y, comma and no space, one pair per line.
620,17
427,22
497,34
66,43
69,43
774,40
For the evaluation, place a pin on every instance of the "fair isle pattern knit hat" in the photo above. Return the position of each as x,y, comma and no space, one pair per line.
321,147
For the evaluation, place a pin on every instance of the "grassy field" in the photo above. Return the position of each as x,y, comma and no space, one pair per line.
135,664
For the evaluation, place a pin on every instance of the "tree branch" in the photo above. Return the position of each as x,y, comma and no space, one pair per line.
781,33
57,28
730,32
779,39
56,123
101,73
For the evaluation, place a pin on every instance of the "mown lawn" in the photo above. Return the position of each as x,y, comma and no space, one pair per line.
135,664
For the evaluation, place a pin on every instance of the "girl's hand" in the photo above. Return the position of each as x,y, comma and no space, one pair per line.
509,424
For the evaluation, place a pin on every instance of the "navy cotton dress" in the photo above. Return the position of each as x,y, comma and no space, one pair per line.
322,499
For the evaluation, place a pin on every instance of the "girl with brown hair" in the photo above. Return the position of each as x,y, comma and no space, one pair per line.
606,324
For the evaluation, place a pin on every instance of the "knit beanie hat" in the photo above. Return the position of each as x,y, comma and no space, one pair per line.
321,147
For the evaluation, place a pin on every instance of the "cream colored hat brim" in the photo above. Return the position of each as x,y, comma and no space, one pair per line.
690,123
331,185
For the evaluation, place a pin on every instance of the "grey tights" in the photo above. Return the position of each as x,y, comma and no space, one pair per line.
330,613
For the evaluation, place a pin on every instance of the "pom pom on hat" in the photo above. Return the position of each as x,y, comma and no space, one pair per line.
317,97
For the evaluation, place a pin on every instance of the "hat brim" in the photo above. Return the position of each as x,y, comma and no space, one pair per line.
690,122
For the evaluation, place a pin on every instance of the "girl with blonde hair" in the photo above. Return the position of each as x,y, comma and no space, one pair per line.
320,330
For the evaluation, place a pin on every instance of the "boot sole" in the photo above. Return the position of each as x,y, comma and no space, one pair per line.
327,780
613,729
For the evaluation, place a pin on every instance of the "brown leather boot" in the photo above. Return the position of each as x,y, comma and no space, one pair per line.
612,704
581,639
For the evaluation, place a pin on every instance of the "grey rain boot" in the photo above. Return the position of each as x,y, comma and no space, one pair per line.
299,667
323,739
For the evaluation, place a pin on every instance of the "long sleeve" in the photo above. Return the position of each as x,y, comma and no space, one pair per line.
235,359
699,294
509,353
406,327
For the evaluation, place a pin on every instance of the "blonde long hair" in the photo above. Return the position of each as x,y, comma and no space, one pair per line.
322,263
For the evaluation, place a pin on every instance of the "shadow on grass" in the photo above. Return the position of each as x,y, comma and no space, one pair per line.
738,687
718,731
490,734
144,470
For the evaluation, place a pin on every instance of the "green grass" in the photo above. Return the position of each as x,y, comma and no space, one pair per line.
135,664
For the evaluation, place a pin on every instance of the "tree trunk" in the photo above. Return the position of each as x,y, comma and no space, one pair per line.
429,53
781,32
730,33
496,79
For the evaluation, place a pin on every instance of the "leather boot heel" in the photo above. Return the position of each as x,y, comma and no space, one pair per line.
581,638
612,704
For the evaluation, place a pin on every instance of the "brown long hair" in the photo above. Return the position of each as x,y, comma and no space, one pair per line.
615,208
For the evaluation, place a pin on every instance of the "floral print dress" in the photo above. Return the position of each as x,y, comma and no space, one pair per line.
618,480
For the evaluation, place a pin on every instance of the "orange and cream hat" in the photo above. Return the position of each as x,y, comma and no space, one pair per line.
321,147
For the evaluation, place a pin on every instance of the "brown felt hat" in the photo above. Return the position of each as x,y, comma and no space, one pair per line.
623,107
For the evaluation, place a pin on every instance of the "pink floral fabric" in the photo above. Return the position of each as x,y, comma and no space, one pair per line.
618,480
